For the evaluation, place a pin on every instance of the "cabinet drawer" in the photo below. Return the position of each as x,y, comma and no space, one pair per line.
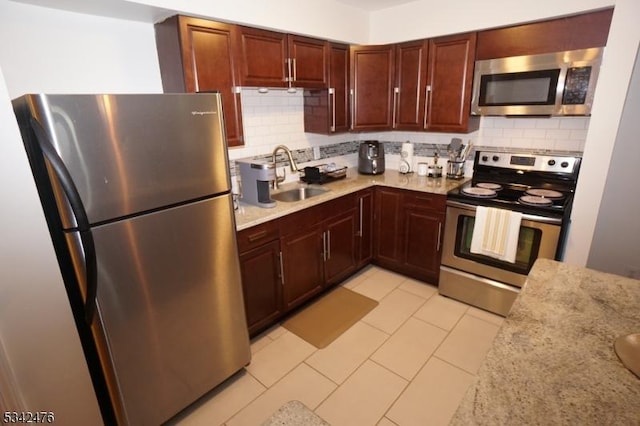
425,201
257,235
300,221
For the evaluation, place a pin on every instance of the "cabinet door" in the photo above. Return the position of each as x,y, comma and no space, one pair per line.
372,82
423,220
262,286
339,83
339,240
364,234
422,244
309,62
264,58
198,55
327,111
411,82
451,61
302,256
387,227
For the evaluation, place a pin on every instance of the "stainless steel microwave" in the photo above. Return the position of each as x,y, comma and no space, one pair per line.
559,83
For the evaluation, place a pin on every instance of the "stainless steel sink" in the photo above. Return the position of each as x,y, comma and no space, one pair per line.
298,194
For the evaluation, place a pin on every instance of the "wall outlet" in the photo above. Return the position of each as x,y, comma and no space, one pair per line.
316,152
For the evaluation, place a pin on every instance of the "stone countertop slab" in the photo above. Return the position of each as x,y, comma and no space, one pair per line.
248,215
294,413
553,362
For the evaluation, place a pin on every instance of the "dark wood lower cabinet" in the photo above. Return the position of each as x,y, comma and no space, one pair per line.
340,246
387,226
422,242
288,261
408,227
302,265
260,269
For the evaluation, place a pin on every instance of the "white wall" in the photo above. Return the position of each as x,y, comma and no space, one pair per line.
326,19
616,249
46,50
424,18
611,92
37,330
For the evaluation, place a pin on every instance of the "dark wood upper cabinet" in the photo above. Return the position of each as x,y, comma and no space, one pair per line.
198,55
420,85
569,33
450,79
273,59
411,82
326,111
308,61
372,81
264,58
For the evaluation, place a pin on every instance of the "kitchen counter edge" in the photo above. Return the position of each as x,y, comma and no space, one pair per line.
553,360
248,215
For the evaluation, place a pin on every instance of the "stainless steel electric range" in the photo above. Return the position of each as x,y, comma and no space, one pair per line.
539,186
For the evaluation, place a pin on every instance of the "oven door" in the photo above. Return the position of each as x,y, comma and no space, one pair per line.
539,237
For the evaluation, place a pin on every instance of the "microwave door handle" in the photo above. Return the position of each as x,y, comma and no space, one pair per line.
80,214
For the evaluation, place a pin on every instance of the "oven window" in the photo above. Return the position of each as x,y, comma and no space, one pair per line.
519,88
528,247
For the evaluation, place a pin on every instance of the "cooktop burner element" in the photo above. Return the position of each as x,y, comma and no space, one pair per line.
478,191
489,185
544,193
536,184
532,200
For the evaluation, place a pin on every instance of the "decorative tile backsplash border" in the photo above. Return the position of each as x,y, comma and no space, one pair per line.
334,151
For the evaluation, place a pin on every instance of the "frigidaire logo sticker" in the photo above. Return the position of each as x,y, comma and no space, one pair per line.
202,112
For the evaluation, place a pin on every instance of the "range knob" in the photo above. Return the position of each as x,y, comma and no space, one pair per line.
564,164
495,158
552,162
485,158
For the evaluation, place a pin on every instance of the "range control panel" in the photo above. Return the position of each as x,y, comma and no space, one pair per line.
536,162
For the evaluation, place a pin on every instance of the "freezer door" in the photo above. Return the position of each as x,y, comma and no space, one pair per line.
171,307
133,153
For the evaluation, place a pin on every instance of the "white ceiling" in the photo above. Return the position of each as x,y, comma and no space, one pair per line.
371,5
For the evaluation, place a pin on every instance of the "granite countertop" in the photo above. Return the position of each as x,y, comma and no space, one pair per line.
248,215
553,361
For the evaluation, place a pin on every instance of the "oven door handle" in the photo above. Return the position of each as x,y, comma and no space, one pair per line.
525,216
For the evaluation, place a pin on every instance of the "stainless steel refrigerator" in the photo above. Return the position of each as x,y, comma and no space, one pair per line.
137,196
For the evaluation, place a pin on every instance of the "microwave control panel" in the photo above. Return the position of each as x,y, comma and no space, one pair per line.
576,86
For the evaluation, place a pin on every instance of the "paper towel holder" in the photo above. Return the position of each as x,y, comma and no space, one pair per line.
406,158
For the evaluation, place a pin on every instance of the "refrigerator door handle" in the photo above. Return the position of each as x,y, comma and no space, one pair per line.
82,220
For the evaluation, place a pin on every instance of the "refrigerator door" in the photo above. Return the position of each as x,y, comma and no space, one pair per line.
134,153
170,306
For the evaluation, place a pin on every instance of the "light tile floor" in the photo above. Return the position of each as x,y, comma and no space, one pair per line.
408,362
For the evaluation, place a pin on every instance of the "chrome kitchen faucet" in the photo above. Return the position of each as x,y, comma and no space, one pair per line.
292,164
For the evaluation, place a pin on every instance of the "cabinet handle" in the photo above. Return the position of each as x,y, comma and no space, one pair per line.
439,235
324,246
281,269
328,245
427,96
359,234
258,235
396,92
287,77
353,108
332,101
295,73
